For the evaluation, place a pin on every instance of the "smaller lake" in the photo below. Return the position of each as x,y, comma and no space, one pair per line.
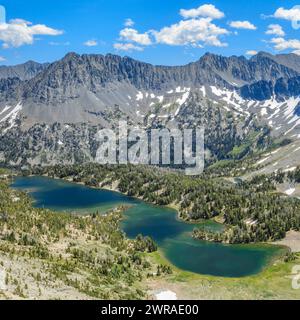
172,236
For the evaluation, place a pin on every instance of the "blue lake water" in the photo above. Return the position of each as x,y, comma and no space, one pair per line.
172,236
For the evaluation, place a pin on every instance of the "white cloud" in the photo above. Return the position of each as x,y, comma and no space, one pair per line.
275,29
127,47
20,21
196,30
193,32
132,35
19,32
281,44
206,10
91,43
292,14
251,53
2,59
41,29
242,25
129,23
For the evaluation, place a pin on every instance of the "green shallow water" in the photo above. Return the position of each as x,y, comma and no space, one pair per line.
172,236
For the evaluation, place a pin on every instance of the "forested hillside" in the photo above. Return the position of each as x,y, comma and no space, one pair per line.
253,211
50,255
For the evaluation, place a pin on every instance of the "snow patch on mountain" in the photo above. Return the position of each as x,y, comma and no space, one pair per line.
160,99
203,90
290,191
12,116
262,161
139,96
6,108
183,99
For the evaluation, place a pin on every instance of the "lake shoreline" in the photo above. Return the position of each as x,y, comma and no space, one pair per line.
189,243
280,243
175,207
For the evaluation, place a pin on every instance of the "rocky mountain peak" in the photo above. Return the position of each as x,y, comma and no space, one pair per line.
232,96
24,71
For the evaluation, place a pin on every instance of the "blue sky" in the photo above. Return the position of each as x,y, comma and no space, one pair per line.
169,32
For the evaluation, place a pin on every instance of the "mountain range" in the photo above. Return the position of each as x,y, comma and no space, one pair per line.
49,113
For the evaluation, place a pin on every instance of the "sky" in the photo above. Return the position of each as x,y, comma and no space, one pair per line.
166,32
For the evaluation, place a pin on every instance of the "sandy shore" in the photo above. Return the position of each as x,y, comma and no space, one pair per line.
292,240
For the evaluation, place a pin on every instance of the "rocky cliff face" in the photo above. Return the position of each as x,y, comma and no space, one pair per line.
282,89
63,79
233,97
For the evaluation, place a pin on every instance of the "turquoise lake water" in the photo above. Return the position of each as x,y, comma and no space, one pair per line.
172,236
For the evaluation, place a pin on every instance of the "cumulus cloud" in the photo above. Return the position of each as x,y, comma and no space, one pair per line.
91,43
132,35
242,25
275,29
19,32
127,47
196,30
129,23
281,44
292,14
251,53
191,32
206,11
2,59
